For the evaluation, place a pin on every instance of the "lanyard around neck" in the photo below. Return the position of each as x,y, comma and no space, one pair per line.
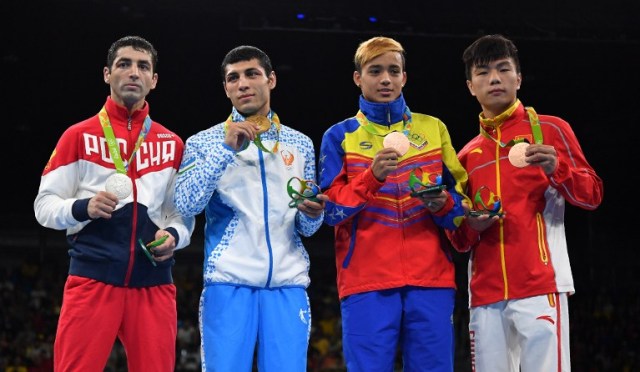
114,150
534,121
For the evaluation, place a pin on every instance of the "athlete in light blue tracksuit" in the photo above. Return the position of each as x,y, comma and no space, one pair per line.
256,267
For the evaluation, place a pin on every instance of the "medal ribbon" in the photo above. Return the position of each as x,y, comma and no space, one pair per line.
371,128
114,151
533,121
235,116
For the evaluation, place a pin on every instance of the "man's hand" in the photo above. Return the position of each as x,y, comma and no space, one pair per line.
544,156
481,222
311,208
102,205
163,251
384,162
240,132
434,201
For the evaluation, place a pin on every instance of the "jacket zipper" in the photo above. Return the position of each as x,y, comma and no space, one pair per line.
132,241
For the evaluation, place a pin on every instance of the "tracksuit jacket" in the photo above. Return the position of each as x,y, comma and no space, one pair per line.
252,236
384,238
524,254
107,250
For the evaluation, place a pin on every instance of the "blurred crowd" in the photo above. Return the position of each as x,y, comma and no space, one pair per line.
605,333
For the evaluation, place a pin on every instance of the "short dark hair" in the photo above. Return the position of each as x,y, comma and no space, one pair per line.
489,48
137,43
246,53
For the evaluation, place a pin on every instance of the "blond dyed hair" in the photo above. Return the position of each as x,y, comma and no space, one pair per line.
375,47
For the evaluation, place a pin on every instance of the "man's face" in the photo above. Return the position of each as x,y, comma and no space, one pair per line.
131,77
249,87
495,85
382,78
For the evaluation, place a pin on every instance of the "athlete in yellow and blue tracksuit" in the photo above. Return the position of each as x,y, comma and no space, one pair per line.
395,280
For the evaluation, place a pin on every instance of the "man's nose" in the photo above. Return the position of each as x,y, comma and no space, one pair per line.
494,77
386,77
134,72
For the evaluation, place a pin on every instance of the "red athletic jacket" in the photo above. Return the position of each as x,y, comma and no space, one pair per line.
525,253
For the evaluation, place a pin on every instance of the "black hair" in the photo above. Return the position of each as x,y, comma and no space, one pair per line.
137,43
489,48
246,53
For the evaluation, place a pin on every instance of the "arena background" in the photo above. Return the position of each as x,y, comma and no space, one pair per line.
579,61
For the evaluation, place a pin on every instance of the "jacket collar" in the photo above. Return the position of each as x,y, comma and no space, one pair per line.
383,113
119,114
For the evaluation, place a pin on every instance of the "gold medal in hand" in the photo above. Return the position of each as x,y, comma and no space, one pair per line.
263,125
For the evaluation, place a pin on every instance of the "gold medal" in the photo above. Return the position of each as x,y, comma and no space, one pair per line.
263,122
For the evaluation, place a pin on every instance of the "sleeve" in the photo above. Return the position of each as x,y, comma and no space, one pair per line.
574,178
454,176
204,161
306,225
464,238
56,196
347,196
183,225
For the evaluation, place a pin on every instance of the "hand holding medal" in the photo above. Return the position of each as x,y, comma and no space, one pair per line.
263,125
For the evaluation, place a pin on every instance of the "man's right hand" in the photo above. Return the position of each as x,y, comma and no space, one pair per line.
239,132
385,162
102,205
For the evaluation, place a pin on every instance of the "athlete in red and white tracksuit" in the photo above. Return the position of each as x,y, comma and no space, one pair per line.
519,272
113,289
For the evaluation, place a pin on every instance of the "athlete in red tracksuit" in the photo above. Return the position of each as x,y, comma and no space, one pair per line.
114,289
519,272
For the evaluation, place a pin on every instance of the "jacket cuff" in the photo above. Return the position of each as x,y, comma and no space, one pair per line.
80,211
370,181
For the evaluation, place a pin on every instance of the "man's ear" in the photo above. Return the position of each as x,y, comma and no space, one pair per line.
470,87
272,80
357,78
106,74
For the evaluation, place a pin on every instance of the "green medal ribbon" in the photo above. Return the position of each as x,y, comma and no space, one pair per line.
112,143
535,130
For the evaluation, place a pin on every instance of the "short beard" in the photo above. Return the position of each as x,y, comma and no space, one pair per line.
130,100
